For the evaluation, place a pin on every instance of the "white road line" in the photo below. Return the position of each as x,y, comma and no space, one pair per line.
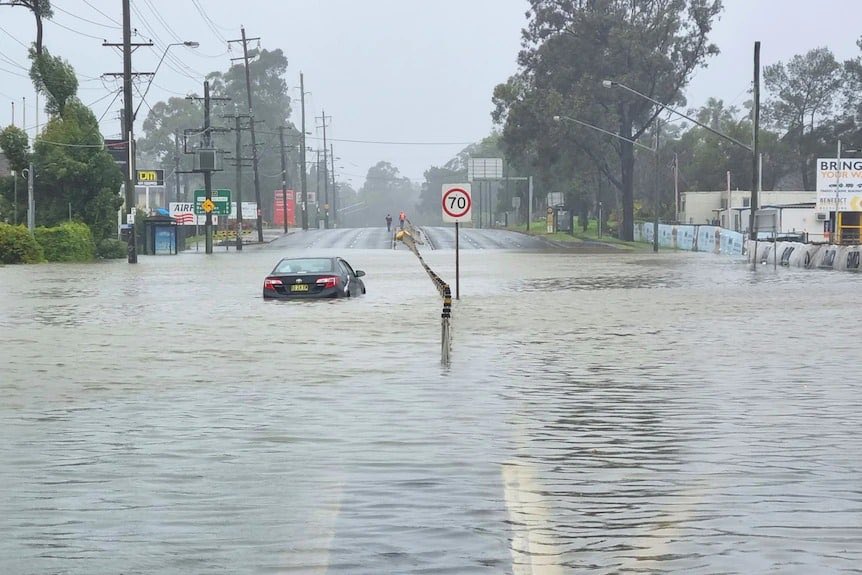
534,550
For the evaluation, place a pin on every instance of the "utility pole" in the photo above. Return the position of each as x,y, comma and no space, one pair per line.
657,187
208,175
304,176
129,128
238,159
283,177
128,122
334,188
177,165
317,188
676,187
245,42
207,147
323,119
755,179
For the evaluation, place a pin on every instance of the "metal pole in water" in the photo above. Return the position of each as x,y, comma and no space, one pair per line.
457,266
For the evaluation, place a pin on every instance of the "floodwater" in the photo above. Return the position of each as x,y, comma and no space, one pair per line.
602,414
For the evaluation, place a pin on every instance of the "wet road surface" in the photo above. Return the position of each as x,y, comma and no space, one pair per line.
602,414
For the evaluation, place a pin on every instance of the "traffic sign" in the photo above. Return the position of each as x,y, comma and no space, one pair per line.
208,206
220,200
457,203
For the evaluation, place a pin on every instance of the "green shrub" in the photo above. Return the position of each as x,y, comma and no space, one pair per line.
17,246
111,249
69,242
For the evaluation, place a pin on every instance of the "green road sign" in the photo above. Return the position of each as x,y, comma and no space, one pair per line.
221,202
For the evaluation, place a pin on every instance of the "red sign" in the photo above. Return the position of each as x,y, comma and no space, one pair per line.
278,207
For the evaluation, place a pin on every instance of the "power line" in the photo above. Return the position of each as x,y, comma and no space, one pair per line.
55,7
102,13
52,21
210,22
25,46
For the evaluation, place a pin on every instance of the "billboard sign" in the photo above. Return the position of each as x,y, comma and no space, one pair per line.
485,169
278,207
839,184
150,177
184,214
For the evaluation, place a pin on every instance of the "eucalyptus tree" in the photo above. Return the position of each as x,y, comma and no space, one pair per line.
569,49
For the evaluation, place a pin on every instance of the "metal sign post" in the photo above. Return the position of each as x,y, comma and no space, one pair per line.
457,207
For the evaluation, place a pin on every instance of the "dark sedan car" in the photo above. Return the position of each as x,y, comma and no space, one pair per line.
305,278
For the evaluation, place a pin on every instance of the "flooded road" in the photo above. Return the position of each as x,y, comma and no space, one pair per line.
602,414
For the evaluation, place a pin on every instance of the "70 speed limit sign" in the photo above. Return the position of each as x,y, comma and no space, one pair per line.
457,203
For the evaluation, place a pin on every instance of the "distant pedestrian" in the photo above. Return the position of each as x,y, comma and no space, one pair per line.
388,222
401,217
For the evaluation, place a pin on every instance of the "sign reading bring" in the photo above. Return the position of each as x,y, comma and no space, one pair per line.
457,203
839,185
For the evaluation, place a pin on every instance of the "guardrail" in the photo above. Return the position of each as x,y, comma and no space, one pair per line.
410,236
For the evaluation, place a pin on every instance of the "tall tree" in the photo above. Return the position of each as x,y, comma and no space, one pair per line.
75,173
55,78
385,191
803,95
570,47
40,9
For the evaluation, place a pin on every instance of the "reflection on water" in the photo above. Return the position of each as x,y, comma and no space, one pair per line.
163,418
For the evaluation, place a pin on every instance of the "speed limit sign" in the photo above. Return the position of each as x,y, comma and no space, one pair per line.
457,203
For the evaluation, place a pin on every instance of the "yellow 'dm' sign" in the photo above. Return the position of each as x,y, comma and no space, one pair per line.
208,206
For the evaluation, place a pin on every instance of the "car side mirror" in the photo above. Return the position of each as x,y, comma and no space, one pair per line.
359,273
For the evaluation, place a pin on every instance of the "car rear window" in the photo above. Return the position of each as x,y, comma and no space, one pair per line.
304,266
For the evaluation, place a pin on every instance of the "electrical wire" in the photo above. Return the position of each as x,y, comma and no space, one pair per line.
102,13
25,46
102,38
112,27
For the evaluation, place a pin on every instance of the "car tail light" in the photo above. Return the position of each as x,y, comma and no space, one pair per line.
271,283
328,282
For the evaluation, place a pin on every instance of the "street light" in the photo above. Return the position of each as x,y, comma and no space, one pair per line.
187,44
752,148
639,145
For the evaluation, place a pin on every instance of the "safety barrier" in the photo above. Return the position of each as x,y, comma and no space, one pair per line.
410,236
806,256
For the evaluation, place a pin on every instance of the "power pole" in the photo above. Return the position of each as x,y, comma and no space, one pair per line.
207,146
657,187
283,178
238,160
334,188
208,175
755,179
129,122
245,42
317,188
177,165
323,119
303,173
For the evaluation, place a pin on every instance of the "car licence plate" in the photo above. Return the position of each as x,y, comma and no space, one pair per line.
299,287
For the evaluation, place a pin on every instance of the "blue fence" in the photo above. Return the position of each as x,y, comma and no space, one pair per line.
693,238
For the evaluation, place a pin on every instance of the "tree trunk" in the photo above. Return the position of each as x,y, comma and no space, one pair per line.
627,170
38,16
627,167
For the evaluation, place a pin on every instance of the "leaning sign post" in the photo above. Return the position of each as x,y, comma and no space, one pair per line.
457,207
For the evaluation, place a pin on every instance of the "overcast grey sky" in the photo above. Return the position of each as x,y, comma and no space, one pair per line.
385,70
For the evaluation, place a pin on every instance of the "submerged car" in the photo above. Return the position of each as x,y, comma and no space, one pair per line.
310,278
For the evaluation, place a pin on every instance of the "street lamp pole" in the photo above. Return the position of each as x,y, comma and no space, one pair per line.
187,44
755,180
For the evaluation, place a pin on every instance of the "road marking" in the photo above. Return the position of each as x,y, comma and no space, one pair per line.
534,550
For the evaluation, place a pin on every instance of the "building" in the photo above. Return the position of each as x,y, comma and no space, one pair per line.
732,210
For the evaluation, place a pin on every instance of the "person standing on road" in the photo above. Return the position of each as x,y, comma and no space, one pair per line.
388,222
401,217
